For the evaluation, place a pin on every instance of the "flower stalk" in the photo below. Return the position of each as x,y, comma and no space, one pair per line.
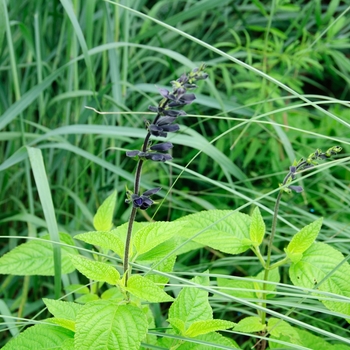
162,124
302,164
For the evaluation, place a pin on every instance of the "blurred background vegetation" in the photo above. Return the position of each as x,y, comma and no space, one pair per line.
240,136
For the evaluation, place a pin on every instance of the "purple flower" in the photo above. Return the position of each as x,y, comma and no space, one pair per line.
162,147
183,100
297,189
157,157
143,202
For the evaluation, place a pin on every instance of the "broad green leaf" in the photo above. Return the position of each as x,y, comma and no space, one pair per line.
103,220
165,266
145,289
282,330
158,252
237,288
106,325
321,264
113,293
87,298
154,234
77,288
36,258
303,240
63,322
96,270
250,324
257,227
208,341
207,326
192,304
108,240
177,324
273,276
222,230
312,341
62,309
40,337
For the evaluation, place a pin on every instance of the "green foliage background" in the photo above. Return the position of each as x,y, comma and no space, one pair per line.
278,89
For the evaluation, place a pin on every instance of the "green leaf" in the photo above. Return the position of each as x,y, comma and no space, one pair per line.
36,258
237,288
96,270
166,265
177,324
145,289
250,324
154,234
207,326
321,264
192,304
312,341
62,309
303,240
87,298
223,230
63,322
282,330
104,216
108,240
257,227
158,253
106,325
273,276
40,337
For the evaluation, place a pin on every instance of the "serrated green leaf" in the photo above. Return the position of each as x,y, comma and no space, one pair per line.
250,324
145,289
207,326
192,304
77,288
312,341
113,293
103,220
304,238
282,330
177,324
238,288
222,230
36,258
325,265
166,265
96,270
158,253
257,227
106,325
215,338
87,298
62,309
40,337
63,322
273,276
108,240
154,234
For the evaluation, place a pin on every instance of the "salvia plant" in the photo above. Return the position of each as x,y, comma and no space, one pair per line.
132,264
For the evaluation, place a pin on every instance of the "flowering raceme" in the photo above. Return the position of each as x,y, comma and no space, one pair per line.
163,123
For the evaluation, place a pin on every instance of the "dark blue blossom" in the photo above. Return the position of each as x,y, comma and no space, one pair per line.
157,157
162,147
143,201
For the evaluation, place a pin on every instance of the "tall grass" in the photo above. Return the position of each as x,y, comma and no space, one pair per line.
278,89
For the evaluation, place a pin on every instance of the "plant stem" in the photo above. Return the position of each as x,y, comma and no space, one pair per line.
138,173
269,251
